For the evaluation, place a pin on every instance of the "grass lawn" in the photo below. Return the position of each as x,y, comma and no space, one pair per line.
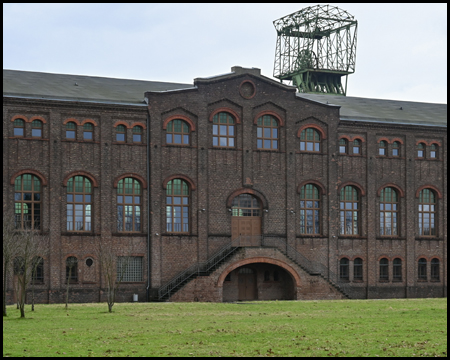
402,327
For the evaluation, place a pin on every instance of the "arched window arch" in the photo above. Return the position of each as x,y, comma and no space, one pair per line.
434,273
343,146
310,210
71,130
79,204
267,133
358,269
178,132
427,213
349,210
19,127
137,134
396,148
422,269
384,269
129,201
27,202
421,150
224,130
88,131
389,208
121,133
382,148
36,128
343,269
177,206
397,270
310,140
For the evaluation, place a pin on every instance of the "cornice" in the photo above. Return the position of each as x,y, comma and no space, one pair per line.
375,125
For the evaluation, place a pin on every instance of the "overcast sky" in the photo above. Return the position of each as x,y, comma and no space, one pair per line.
401,48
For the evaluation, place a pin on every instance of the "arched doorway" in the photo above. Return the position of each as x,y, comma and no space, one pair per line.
246,219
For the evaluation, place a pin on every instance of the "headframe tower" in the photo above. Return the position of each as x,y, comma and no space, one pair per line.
316,47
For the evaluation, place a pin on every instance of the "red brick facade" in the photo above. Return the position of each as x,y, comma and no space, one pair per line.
285,263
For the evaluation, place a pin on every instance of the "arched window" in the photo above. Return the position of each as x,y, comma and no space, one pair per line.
343,146
421,150
427,213
358,269
349,211
309,209
36,128
137,134
79,204
382,148
397,270
433,151
422,269
245,205
71,130
38,270
384,269
121,132
434,269
27,202
343,269
72,269
178,132
356,147
177,206
129,205
223,130
19,127
267,133
88,131
310,140
396,148
389,212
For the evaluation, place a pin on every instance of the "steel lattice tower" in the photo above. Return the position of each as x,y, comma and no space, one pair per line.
316,47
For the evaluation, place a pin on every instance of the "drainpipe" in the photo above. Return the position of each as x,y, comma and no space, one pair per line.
148,204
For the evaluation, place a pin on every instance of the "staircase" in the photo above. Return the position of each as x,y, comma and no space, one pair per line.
207,267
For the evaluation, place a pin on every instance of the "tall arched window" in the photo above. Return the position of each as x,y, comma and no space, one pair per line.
137,134
388,212
129,205
121,133
309,210
178,132
433,151
36,128
382,148
356,147
223,130
358,269
88,131
349,211
310,140
384,269
19,126
434,274
422,269
37,270
427,213
397,270
27,202
396,148
177,206
343,269
267,133
71,130
79,204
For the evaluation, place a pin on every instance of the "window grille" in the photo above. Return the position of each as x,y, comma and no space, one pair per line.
178,132
27,202
267,133
388,212
224,134
129,268
349,211
427,213
36,128
310,140
309,210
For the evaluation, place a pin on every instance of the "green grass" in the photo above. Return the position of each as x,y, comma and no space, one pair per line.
406,327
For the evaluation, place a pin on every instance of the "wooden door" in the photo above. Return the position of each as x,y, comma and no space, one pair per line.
247,284
246,220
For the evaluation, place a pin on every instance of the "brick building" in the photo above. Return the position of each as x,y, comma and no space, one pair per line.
233,188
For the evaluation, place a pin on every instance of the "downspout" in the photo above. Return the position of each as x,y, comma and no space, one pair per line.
148,204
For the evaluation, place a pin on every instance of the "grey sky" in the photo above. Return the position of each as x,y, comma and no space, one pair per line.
401,49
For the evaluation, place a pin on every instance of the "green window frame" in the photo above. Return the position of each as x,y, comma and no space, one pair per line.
129,202
27,202
79,204
177,206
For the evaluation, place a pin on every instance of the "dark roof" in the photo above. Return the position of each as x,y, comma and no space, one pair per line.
89,88
388,111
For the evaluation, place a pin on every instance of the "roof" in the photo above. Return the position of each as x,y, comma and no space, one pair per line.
384,111
80,87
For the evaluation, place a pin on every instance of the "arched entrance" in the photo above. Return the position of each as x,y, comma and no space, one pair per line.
246,219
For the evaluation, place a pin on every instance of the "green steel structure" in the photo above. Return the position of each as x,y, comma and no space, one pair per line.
316,47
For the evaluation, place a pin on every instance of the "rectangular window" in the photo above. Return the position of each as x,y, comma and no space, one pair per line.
36,132
129,268
137,138
18,131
